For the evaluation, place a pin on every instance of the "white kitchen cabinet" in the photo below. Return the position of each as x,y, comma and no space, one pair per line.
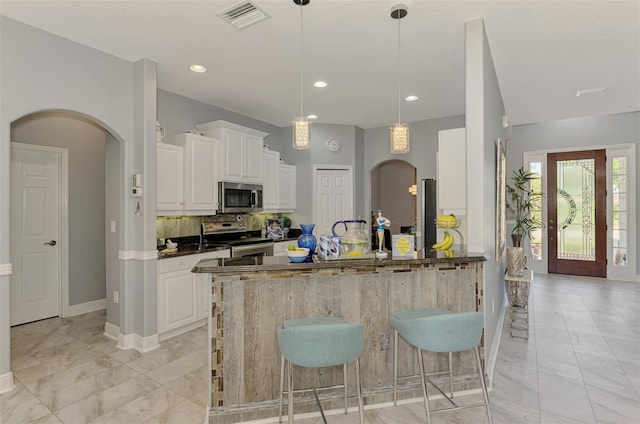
286,187
270,165
169,179
200,173
452,176
240,151
182,295
280,247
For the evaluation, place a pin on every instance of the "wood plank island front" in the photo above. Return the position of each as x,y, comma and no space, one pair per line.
251,296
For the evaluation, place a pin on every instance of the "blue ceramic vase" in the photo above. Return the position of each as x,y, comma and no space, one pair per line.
307,239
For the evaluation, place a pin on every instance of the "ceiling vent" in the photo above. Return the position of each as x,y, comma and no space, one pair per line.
244,14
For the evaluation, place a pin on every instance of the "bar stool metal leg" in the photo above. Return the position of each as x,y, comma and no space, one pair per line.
344,370
424,386
290,388
484,385
451,373
359,390
281,388
395,368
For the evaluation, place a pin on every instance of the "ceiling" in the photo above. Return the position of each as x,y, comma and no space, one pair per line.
543,52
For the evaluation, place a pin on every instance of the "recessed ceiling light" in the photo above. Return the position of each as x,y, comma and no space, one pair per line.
320,84
411,98
590,91
312,116
198,68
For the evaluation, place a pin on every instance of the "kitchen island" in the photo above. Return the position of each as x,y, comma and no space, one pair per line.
251,296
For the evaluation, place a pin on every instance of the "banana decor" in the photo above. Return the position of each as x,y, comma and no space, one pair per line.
446,221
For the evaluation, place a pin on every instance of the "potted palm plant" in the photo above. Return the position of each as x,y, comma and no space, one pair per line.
521,201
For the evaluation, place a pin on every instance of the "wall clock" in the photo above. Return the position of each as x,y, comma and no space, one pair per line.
333,144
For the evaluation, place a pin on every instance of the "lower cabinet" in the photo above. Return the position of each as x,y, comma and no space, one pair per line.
182,295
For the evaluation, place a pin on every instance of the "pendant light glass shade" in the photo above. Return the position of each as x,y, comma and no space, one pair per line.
301,134
301,127
400,138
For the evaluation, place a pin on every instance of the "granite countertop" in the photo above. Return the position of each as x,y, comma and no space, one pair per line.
282,263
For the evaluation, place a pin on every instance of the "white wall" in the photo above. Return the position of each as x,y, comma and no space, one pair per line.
86,144
484,110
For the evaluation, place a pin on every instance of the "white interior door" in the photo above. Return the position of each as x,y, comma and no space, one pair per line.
35,233
333,198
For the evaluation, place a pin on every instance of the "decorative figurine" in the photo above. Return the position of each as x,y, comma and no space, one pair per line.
381,222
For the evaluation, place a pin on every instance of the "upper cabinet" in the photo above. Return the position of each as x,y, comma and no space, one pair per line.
200,177
270,164
279,184
169,181
187,175
240,151
452,176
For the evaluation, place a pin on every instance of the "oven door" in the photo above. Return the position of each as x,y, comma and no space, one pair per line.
262,249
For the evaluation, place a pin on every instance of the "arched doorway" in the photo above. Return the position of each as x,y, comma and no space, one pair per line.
88,236
393,190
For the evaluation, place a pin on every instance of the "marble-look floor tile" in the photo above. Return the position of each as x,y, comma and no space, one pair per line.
144,408
47,419
126,356
613,405
589,343
516,385
179,367
563,396
560,362
402,414
197,336
70,375
505,412
59,398
20,394
59,364
24,412
201,398
603,372
169,350
95,406
191,383
184,412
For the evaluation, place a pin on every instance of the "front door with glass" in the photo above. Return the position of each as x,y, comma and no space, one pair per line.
577,213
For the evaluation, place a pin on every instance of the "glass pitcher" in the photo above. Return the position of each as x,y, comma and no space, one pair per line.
355,241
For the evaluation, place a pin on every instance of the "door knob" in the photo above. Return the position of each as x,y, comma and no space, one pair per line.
51,243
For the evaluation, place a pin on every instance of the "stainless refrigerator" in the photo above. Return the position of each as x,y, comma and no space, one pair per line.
429,213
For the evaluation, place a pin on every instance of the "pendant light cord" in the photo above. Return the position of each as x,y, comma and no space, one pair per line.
301,61
399,120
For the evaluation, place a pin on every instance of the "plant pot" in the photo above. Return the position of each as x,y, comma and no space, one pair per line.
517,240
516,261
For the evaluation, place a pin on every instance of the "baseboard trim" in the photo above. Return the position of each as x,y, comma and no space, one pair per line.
490,363
6,269
6,382
131,341
638,278
139,255
137,342
83,308
111,331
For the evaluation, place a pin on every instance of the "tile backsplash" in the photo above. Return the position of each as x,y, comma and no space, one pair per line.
177,226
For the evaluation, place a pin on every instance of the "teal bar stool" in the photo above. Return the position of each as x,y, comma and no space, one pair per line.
319,342
453,332
402,316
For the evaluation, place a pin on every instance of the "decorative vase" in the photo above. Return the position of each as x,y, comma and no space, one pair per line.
516,261
516,239
307,239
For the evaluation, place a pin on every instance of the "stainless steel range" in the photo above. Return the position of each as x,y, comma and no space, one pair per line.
233,231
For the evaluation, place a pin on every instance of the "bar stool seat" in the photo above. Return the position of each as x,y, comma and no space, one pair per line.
402,316
319,342
453,332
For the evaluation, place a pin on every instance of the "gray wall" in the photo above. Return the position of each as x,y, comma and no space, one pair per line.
484,111
86,144
318,154
424,146
179,114
390,183
621,128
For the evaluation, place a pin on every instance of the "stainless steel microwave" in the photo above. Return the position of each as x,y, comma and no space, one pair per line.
239,197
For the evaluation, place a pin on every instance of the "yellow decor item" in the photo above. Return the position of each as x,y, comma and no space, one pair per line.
446,243
402,246
447,221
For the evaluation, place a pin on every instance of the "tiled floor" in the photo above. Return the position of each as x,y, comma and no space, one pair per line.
581,364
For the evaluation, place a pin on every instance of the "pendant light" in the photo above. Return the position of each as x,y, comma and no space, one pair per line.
301,127
400,131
